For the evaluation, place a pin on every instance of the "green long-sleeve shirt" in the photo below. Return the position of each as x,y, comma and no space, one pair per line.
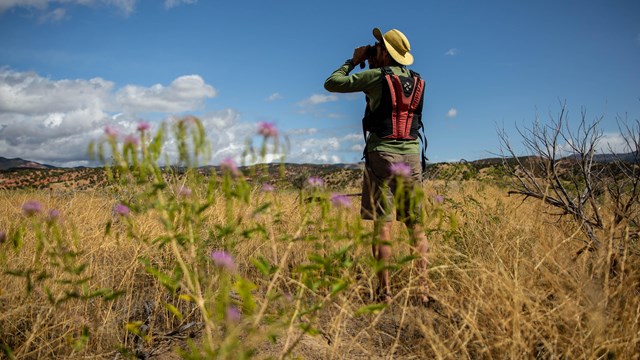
370,82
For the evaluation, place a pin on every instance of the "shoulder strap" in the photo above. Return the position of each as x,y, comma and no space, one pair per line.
386,70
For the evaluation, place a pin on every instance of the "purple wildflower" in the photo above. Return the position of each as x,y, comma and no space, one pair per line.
184,191
110,131
223,260
229,165
233,314
340,201
315,182
188,120
31,207
266,187
131,140
400,169
438,199
53,215
121,210
267,129
143,126
288,297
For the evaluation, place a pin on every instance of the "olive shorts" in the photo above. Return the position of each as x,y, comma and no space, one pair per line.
382,191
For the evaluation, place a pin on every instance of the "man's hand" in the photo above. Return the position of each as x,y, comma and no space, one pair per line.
359,55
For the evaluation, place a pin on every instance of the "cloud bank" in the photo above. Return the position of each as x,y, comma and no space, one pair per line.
126,7
52,121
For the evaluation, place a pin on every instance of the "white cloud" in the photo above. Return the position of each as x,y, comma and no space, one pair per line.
54,16
314,147
357,147
612,142
609,143
452,52
8,4
353,137
274,96
52,121
173,3
318,99
306,131
453,112
183,94
126,7
30,94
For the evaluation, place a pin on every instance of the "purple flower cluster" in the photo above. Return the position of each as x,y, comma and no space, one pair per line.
438,199
131,140
233,314
53,215
121,210
31,207
230,166
34,207
143,126
315,182
267,129
223,260
266,187
111,132
340,201
184,191
401,170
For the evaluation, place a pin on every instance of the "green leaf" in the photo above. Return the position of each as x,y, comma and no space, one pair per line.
408,259
82,340
6,350
370,309
134,327
105,293
264,266
244,288
174,311
171,282
262,208
338,287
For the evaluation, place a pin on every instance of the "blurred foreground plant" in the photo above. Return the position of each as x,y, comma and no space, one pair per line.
237,316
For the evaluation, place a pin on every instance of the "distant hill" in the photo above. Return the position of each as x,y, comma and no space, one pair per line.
19,173
607,158
598,158
18,163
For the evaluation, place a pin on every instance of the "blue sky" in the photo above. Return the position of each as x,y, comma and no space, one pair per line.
70,68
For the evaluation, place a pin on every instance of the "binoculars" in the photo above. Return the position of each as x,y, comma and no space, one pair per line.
371,52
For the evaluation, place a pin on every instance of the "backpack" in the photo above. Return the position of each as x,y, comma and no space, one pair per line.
399,115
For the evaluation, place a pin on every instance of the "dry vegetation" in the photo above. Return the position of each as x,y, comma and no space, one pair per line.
506,276
52,179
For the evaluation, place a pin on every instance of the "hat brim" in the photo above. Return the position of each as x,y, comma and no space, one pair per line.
406,59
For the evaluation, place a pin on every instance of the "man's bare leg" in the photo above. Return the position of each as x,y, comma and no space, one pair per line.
422,249
382,253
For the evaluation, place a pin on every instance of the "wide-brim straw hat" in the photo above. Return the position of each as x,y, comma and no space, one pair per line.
397,45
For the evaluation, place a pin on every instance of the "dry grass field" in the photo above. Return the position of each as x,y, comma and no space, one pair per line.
508,279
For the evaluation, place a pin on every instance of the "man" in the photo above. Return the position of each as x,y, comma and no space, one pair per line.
393,170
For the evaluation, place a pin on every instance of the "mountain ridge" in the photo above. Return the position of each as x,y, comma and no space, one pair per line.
18,163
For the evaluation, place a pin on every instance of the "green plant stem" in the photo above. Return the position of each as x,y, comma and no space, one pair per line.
272,283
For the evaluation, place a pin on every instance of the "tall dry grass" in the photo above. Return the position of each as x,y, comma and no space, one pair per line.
507,277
